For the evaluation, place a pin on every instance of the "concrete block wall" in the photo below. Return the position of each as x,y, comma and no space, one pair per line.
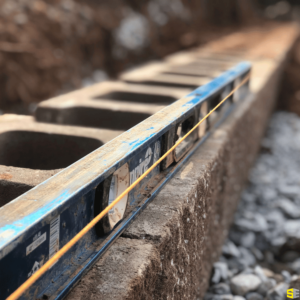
168,252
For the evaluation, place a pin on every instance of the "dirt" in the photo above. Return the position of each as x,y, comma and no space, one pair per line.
49,47
5,176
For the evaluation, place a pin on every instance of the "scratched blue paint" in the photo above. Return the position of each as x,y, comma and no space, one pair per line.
32,218
20,262
130,142
137,143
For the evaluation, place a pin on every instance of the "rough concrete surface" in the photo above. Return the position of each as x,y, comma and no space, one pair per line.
186,224
127,259
31,152
290,85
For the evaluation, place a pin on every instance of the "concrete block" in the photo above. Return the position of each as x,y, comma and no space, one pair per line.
186,70
31,152
113,105
205,55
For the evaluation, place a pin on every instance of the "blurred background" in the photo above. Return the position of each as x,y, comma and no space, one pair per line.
51,47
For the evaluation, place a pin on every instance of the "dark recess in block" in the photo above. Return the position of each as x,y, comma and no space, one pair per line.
170,84
188,74
37,150
137,97
92,117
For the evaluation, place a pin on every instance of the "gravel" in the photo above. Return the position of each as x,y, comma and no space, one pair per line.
261,257
220,272
278,292
254,296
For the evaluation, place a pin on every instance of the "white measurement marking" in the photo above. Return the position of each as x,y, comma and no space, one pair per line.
54,236
142,167
156,151
35,267
113,190
36,243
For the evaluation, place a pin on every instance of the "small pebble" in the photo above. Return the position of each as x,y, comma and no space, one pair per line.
260,273
266,286
244,283
254,296
248,239
286,276
292,229
221,289
278,292
296,265
267,272
257,253
230,249
238,298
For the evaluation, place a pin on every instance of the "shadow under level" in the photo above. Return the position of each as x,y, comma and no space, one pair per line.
165,83
136,97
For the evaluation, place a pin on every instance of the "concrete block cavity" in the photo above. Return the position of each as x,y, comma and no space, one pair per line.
31,152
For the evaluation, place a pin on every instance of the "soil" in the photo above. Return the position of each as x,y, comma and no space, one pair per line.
51,47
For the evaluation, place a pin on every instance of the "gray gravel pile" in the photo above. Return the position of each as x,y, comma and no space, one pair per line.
261,257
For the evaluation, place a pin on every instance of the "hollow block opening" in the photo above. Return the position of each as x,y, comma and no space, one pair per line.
43,151
137,97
